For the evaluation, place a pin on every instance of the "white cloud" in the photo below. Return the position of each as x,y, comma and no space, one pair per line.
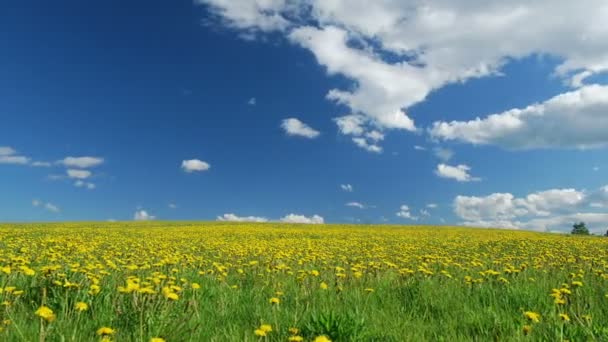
293,126
424,212
460,172
356,205
400,51
7,151
18,160
431,205
346,187
295,218
549,210
366,145
48,206
252,101
575,119
419,148
142,215
81,162
195,165
234,218
41,164
404,212
596,168
444,154
82,184
78,174
172,206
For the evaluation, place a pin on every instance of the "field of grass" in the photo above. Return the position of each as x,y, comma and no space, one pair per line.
162,281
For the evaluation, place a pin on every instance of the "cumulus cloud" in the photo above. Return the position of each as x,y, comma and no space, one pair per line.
252,101
234,218
81,162
295,218
459,173
432,205
143,215
7,151
48,206
8,155
346,187
419,148
404,212
356,205
78,174
293,126
553,209
82,184
195,165
575,119
400,51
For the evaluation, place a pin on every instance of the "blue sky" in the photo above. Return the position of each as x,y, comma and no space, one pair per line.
263,110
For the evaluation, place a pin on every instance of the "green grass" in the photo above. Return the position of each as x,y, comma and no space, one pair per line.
384,304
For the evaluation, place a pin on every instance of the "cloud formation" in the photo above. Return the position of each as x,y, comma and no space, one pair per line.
195,165
459,173
550,210
295,127
400,51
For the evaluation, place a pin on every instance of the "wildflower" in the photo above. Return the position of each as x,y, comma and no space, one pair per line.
294,331
45,313
81,306
369,289
274,300
322,338
295,338
259,332
532,316
266,327
527,329
577,283
323,286
6,269
157,339
105,331
195,286
564,317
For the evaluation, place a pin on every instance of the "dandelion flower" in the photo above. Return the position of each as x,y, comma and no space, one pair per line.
564,317
532,316
157,339
105,331
81,306
46,313
274,300
322,338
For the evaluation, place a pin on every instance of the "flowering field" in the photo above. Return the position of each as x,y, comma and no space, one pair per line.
165,281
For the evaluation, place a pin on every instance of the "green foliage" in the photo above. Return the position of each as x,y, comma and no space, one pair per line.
337,326
580,229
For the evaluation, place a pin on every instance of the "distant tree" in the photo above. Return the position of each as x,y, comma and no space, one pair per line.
606,235
580,229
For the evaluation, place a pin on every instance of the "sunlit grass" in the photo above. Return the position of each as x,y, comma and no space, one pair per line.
271,282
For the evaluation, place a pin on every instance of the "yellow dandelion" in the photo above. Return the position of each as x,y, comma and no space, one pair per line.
259,332
274,300
323,286
322,338
81,306
46,313
105,331
157,339
532,316
564,317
